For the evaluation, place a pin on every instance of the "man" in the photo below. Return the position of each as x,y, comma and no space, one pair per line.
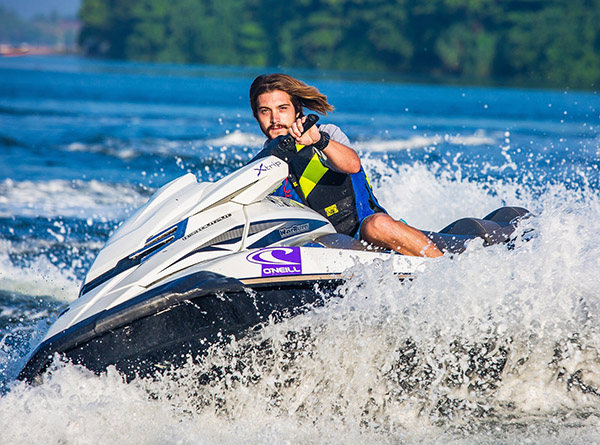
325,173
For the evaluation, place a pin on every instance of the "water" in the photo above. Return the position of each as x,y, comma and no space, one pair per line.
494,346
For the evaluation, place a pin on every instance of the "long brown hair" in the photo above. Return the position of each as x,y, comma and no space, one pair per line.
301,94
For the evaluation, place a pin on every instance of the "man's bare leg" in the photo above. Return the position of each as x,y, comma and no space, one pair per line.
382,230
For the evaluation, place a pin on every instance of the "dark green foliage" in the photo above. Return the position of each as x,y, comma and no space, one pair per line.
548,42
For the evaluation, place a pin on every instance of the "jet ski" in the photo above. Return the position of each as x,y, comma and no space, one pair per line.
201,262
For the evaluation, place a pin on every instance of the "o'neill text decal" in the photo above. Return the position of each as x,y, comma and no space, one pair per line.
277,261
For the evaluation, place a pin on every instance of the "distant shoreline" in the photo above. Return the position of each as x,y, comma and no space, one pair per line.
8,51
33,50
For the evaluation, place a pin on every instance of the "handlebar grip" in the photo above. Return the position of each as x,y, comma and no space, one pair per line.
311,119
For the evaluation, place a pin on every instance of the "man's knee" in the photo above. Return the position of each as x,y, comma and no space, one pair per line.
376,224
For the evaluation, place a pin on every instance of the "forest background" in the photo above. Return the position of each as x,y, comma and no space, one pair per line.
547,43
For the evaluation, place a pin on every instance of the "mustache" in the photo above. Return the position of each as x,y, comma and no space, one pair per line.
277,126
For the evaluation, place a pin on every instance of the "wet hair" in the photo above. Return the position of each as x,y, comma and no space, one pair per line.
301,94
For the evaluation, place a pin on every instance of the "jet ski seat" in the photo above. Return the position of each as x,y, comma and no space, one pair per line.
340,241
495,228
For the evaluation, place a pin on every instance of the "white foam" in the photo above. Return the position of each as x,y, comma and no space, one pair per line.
343,379
40,278
128,150
430,197
237,138
353,375
77,198
416,142
348,373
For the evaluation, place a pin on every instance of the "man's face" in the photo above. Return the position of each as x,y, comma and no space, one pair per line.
275,113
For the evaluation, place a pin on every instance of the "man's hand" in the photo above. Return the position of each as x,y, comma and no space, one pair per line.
296,130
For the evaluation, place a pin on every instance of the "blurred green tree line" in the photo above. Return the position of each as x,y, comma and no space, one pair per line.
548,42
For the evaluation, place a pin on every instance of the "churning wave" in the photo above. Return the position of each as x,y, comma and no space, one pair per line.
479,138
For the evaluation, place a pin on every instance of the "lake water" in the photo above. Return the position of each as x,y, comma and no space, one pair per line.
493,346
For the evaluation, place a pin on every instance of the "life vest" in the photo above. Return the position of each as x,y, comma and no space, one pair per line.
344,199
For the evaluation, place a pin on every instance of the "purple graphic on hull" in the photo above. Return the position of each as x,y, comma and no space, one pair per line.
277,261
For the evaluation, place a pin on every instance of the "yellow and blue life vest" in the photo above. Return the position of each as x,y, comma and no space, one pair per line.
344,199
